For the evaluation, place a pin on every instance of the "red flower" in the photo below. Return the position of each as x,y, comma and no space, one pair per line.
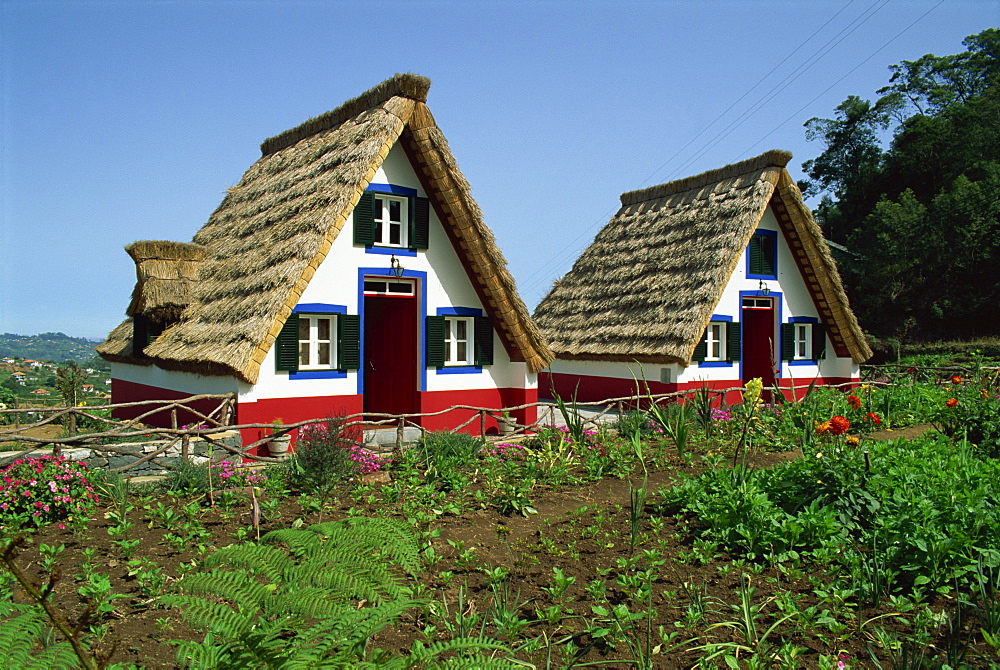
839,425
854,401
956,379
951,402
874,418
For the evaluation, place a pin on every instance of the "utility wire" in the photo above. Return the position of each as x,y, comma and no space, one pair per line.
847,74
573,248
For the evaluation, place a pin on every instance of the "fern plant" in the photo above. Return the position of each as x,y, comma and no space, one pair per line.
308,598
19,635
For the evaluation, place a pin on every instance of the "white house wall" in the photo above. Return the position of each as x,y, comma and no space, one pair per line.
447,285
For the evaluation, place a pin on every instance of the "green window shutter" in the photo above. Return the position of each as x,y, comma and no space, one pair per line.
286,347
733,345
767,252
819,342
484,341
701,350
364,219
419,222
787,341
761,250
348,342
434,341
756,252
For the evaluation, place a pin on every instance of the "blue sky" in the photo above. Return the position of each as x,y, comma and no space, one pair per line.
122,121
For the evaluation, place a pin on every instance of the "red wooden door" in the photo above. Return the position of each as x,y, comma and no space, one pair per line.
390,354
758,345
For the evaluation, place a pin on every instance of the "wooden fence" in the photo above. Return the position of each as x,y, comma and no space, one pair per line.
124,437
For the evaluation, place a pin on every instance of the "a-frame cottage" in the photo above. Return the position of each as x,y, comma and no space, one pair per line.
349,270
710,280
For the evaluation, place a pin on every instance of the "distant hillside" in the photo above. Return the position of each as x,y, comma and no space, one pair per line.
55,347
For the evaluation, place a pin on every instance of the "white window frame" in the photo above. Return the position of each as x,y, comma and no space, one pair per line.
453,343
716,341
310,347
802,342
381,230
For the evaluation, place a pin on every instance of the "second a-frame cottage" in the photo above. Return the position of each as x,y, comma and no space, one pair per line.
712,280
349,270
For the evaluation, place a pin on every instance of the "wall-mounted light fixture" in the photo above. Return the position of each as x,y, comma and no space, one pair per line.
397,269
762,289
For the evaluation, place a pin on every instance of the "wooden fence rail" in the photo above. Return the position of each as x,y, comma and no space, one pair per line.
208,426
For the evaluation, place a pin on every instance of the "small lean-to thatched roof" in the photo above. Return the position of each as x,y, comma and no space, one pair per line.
166,273
273,229
647,287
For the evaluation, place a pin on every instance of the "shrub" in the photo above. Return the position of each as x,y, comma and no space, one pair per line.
323,453
44,489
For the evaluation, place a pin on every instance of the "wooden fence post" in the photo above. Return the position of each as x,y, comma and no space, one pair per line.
482,424
400,430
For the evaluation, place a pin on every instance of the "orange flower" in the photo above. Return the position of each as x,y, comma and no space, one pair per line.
839,425
823,428
983,393
951,402
874,418
853,440
854,401
956,379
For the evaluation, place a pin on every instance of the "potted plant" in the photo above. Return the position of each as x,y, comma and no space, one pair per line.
278,445
506,423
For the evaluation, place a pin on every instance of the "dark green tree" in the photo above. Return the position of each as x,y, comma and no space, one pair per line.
923,213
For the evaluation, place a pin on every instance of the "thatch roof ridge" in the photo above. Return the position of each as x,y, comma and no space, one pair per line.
165,250
405,85
773,158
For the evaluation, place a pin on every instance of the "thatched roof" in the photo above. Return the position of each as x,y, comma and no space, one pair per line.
274,228
166,273
647,287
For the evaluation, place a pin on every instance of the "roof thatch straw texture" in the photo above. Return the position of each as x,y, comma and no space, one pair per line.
274,228
646,287
166,273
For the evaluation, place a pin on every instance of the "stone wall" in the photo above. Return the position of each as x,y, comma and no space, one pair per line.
199,452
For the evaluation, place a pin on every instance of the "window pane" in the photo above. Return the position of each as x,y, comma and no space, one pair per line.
323,329
375,287
378,232
461,357
303,353
395,210
379,214
324,353
396,287
303,329
460,331
395,233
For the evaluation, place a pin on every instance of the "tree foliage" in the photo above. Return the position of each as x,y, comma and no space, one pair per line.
923,213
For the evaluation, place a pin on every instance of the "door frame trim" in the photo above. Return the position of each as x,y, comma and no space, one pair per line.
420,297
776,344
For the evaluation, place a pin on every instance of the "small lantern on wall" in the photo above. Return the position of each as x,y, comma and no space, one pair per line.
397,268
762,289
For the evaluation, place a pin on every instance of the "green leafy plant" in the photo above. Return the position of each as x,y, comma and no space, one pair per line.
305,598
